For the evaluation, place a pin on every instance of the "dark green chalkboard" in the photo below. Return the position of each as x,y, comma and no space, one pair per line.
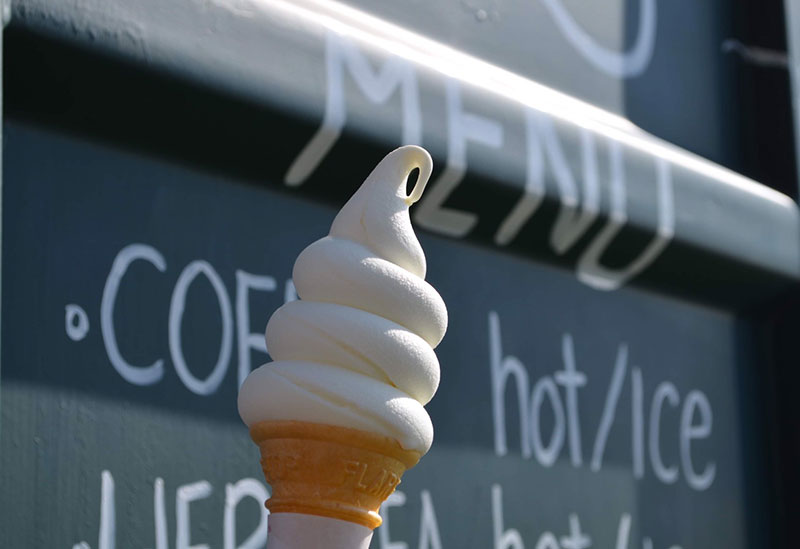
595,373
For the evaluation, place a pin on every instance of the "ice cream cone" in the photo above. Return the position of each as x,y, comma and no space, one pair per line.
355,351
329,471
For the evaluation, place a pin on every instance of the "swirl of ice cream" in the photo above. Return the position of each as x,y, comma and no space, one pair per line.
357,349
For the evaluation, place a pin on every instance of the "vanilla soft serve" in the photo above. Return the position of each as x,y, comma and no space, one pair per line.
357,349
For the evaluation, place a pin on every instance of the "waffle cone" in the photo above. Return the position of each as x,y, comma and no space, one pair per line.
329,471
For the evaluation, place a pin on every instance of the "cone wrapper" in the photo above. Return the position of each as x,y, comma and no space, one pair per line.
329,471
296,531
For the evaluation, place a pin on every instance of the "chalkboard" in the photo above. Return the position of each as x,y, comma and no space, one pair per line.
624,56
518,167
135,293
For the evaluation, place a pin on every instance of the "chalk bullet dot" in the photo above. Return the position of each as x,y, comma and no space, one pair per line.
76,322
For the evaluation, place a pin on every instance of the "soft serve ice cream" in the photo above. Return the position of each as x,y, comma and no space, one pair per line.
356,350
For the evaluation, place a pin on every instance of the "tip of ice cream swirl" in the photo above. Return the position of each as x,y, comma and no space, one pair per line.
357,349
